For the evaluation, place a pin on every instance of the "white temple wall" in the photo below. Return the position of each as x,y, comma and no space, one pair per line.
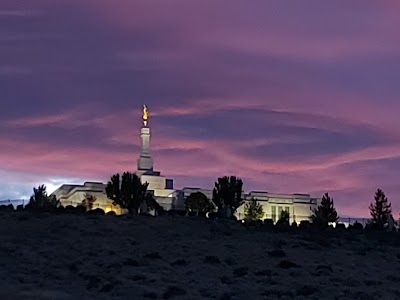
155,182
272,210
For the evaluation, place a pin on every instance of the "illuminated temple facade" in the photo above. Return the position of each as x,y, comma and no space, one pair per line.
299,206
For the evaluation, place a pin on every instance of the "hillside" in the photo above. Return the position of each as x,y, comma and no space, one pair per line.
106,257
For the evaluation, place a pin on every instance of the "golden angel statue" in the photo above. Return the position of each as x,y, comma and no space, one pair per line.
145,115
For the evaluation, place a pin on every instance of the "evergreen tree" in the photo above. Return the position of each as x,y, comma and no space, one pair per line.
325,212
253,211
199,203
380,209
41,201
127,191
227,195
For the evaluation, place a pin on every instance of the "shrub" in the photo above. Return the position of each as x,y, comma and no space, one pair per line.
287,264
323,270
226,280
213,216
357,226
306,290
283,219
173,291
40,201
212,259
372,227
253,210
179,262
150,295
69,209
230,261
107,287
264,272
171,212
304,224
7,208
23,216
340,226
97,211
269,223
241,272
277,253
181,213
131,262
137,277
153,255
88,201
80,209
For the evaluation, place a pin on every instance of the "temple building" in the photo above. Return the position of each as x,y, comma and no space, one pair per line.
161,187
74,194
299,206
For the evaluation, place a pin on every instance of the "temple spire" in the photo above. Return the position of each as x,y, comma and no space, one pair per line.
145,162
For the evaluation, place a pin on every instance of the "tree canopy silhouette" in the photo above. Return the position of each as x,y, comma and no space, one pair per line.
284,218
325,212
380,209
253,211
227,195
41,201
127,191
151,203
199,203
88,201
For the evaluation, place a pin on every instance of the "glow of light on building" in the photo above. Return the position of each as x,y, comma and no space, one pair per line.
108,209
53,184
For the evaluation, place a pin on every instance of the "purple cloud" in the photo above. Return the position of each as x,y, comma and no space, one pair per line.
291,97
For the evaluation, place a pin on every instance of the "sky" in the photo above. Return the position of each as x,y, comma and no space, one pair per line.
291,96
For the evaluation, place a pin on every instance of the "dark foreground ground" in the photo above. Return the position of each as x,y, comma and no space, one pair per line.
106,257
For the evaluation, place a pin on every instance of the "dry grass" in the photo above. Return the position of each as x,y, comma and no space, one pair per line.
104,257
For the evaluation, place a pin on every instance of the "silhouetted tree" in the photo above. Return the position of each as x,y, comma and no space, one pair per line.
152,204
199,203
227,195
253,211
358,226
127,191
41,201
380,209
88,201
284,218
325,212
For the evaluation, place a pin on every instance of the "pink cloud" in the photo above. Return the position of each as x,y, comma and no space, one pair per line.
323,68
203,158
63,118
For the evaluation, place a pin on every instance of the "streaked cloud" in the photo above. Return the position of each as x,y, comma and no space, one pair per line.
292,97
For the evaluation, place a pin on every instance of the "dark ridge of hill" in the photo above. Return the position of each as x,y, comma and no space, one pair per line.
47,256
